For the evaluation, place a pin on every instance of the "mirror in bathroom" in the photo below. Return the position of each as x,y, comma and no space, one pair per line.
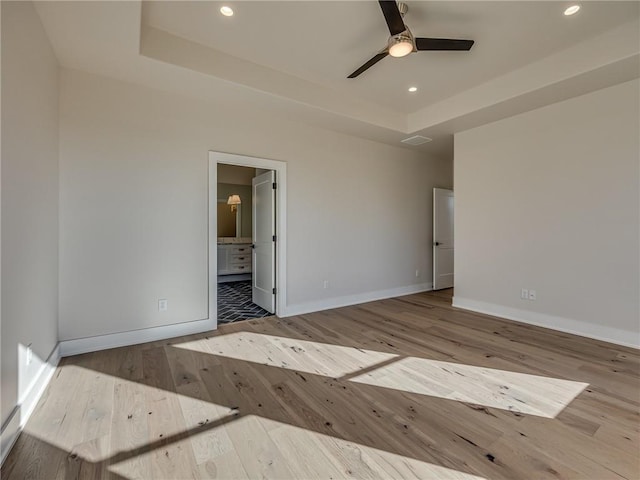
229,222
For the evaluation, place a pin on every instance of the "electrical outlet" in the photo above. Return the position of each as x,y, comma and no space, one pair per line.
417,273
325,284
524,294
29,355
532,295
163,305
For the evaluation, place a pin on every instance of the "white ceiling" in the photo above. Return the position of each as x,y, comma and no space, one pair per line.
292,58
324,41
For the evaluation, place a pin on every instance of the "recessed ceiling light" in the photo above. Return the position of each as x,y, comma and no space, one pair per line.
226,11
413,89
572,10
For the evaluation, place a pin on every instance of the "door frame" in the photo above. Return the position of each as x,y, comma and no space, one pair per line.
280,169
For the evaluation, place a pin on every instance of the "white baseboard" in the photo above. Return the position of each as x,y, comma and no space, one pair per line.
122,339
234,278
347,300
78,346
27,403
561,324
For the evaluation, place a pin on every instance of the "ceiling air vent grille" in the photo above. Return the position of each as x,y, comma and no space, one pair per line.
416,140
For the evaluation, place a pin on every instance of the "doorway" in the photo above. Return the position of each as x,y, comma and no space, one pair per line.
443,251
247,237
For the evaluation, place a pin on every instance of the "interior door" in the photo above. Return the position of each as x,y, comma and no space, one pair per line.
264,241
442,238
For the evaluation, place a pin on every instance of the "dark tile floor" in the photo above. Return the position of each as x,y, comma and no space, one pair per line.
234,302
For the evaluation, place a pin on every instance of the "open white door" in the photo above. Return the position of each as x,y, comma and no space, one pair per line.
264,241
442,238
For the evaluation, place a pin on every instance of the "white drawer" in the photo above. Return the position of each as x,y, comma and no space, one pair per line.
240,249
234,259
241,259
239,268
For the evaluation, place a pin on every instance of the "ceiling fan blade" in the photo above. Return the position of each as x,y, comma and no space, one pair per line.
369,64
392,16
443,44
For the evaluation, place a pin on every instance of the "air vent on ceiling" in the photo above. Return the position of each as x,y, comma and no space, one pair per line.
416,140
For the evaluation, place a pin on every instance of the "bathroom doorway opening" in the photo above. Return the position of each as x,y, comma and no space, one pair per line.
246,237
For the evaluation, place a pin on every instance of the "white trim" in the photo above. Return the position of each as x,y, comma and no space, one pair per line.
133,337
561,324
348,300
234,277
21,412
281,223
212,242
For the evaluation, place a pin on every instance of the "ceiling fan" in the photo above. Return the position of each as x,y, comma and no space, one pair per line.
402,42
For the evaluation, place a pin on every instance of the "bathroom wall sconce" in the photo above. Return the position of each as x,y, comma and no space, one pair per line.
234,201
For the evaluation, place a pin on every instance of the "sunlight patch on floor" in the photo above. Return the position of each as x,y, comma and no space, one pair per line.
517,392
263,448
513,391
123,414
301,355
129,427
326,456
173,460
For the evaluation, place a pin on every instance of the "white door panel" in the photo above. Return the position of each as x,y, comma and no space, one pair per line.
443,206
264,246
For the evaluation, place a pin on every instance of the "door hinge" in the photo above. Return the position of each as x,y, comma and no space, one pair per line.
274,290
275,185
275,238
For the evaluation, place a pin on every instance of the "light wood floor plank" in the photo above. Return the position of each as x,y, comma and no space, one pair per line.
400,388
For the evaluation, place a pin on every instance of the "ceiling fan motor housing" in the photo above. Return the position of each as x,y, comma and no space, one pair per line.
401,44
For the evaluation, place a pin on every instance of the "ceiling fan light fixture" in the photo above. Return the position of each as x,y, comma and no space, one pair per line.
400,45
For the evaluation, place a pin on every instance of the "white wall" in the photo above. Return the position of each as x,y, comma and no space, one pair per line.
133,205
29,199
549,200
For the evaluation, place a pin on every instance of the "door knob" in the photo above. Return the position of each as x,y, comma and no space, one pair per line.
436,243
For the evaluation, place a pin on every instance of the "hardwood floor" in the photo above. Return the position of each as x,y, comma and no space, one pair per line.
400,388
